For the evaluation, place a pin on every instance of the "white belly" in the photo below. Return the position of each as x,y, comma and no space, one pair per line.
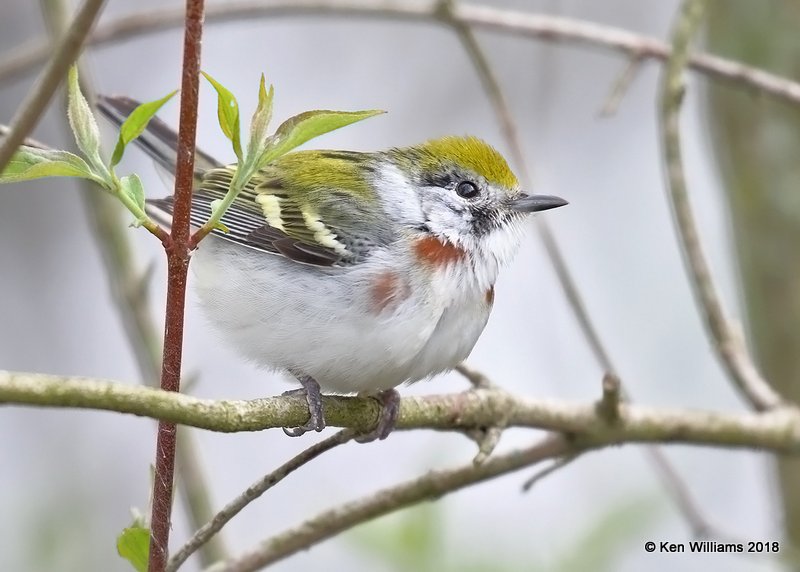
323,322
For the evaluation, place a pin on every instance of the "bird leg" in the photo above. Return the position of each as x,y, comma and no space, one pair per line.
389,400
311,391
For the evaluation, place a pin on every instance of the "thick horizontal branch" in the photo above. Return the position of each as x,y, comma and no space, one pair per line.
539,26
777,430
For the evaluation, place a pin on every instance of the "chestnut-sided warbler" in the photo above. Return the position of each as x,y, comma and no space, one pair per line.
354,272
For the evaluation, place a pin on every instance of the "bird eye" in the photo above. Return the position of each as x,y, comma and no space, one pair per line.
467,190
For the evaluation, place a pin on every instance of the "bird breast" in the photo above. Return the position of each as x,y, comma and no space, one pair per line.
401,316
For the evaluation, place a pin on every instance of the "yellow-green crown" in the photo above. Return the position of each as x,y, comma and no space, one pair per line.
464,152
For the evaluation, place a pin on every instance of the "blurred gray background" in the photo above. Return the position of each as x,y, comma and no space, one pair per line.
69,478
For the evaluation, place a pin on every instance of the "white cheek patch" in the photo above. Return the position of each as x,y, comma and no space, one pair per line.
446,217
443,220
402,202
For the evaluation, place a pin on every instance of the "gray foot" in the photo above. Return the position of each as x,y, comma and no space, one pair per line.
316,421
387,418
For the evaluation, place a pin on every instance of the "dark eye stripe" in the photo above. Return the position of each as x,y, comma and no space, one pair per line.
438,180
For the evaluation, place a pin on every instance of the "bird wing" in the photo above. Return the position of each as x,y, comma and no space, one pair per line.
272,214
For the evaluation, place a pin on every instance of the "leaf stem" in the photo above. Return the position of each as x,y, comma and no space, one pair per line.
238,182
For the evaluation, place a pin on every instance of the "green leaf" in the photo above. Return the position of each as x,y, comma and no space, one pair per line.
298,129
133,544
82,122
132,187
30,163
260,121
136,123
228,114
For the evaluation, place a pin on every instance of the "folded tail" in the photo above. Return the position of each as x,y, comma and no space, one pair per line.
158,140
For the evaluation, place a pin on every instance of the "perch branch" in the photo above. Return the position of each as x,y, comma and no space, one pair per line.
776,430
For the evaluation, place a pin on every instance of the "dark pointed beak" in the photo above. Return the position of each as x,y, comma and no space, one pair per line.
536,203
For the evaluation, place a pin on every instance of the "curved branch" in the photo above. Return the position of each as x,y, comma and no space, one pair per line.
208,531
451,14
777,430
728,341
538,26
612,392
431,486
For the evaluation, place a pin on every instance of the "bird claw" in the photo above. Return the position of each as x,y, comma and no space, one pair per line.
387,418
316,420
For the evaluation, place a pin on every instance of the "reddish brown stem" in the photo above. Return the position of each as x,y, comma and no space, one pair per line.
177,250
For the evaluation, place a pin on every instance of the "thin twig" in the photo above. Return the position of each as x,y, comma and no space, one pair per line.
557,29
700,526
728,341
31,110
177,250
29,141
207,531
476,378
608,406
542,27
549,470
495,94
448,12
129,292
588,38
613,395
574,299
777,430
128,289
432,486
621,86
487,438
